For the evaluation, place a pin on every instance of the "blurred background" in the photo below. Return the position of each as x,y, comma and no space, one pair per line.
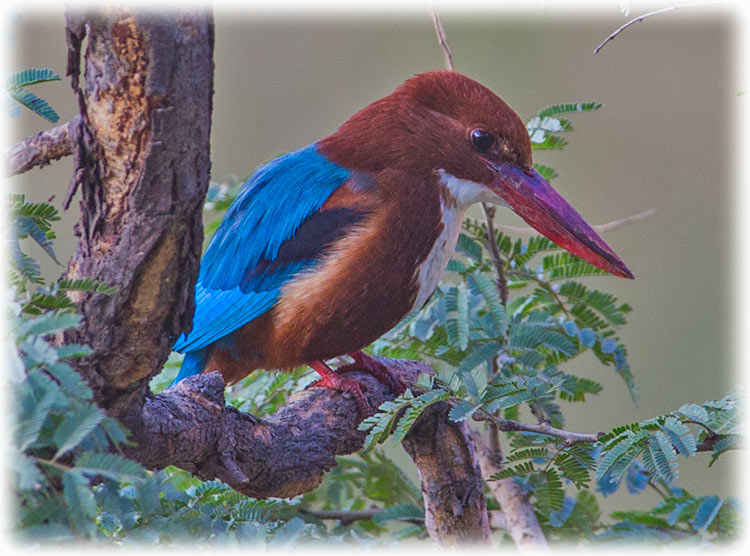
664,140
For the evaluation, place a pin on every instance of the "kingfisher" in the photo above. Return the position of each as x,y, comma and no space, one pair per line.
328,247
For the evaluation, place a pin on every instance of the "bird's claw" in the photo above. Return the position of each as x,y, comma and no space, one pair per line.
381,372
336,382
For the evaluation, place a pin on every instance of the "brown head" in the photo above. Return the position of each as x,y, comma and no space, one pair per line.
445,127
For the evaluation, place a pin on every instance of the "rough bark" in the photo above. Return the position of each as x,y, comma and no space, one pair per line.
283,455
142,166
452,486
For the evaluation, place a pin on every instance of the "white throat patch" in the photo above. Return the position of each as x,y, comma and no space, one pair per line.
463,193
467,192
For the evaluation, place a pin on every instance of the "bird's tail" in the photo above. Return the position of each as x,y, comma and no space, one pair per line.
193,364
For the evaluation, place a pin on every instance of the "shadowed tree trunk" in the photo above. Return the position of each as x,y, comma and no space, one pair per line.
142,167
141,149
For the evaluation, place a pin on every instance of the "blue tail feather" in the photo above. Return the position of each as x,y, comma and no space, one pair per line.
193,364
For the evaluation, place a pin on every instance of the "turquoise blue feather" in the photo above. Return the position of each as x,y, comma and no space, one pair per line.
240,277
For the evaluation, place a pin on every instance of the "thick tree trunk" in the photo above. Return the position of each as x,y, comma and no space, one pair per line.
142,166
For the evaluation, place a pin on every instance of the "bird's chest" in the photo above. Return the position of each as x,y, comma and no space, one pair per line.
429,273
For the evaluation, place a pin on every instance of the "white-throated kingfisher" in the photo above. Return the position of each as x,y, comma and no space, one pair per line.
328,247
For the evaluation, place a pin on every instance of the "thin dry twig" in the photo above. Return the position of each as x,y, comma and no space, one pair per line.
606,227
507,425
613,36
442,39
502,282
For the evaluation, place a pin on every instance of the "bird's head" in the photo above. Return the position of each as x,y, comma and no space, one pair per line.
443,124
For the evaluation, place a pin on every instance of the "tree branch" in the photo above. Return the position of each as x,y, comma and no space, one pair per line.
283,455
42,148
142,166
452,486
508,425
519,518
497,261
640,217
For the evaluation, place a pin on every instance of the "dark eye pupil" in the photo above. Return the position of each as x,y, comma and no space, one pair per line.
481,139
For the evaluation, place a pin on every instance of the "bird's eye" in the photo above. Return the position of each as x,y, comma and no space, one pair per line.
482,140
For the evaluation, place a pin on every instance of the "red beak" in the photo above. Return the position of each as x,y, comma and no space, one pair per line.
533,199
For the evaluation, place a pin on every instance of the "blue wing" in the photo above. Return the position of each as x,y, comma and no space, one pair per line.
251,256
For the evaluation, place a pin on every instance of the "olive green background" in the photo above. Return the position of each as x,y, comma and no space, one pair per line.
664,139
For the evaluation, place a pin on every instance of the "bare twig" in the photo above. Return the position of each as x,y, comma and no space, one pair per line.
507,425
644,16
518,514
442,39
497,261
640,217
42,148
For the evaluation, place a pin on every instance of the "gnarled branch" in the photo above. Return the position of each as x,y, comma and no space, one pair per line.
283,455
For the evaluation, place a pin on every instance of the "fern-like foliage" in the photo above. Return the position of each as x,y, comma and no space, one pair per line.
15,83
658,442
495,359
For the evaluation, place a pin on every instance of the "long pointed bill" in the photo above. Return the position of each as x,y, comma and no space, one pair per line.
534,200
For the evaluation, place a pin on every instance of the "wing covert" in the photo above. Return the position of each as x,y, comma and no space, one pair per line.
271,232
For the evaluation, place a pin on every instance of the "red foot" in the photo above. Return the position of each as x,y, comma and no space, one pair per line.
330,379
370,365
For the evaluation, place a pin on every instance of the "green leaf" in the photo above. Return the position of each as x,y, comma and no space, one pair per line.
34,103
47,323
659,458
30,76
519,470
401,512
288,535
76,427
112,466
29,475
557,109
85,285
469,247
461,411
462,311
707,512
681,437
47,533
79,501
28,430
545,171
550,496
488,288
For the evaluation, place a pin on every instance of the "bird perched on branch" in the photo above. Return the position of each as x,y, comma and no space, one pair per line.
328,247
